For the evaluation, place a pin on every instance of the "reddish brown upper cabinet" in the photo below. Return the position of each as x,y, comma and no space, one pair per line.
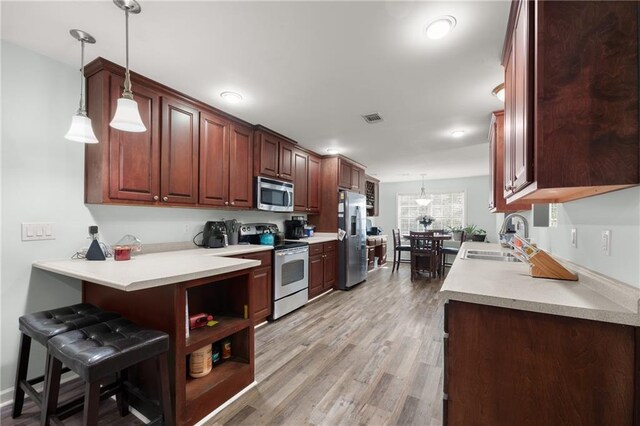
372,192
334,171
179,152
571,100
226,154
306,180
191,154
274,156
497,203
350,176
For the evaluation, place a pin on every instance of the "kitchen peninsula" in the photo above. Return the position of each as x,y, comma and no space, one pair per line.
543,350
160,290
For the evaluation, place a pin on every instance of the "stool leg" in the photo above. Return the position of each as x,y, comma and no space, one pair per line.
21,375
122,397
165,389
51,389
91,403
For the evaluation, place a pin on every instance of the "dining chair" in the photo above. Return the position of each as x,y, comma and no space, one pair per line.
425,253
398,249
451,251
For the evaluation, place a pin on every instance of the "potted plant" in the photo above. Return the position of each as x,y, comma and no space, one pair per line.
469,230
456,232
425,220
479,235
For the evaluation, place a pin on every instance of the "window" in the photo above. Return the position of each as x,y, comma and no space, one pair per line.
447,209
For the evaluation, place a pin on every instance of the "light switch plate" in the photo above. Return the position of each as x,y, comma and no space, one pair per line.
574,238
38,231
606,242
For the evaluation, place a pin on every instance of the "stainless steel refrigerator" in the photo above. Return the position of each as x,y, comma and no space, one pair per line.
352,239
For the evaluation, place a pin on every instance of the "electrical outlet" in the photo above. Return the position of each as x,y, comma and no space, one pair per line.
606,242
574,238
37,231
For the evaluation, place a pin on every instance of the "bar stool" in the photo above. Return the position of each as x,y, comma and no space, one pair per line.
42,326
96,352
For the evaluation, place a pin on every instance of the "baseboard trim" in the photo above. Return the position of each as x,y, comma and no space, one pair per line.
226,404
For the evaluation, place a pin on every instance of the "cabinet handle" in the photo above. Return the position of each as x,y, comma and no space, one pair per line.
233,203
165,198
156,198
278,174
226,203
508,187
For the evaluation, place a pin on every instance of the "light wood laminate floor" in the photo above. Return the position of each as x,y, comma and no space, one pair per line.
368,356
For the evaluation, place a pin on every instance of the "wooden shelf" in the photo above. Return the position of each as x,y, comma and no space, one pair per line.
226,370
226,326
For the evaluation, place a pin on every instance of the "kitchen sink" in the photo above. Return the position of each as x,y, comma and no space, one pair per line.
496,255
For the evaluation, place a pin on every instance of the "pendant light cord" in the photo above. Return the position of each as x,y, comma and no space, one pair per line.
82,109
127,80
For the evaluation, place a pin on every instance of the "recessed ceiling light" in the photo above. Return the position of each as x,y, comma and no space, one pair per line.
440,27
231,97
498,92
457,133
332,150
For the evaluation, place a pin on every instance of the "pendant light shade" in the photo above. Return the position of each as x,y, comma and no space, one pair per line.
423,200
127,117
81,129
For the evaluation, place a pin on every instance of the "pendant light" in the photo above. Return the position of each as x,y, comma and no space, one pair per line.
81,130
127,116
423,200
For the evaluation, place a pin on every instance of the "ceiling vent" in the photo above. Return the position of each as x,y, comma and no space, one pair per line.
372,118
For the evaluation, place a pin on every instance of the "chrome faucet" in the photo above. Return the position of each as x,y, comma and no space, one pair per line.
507,218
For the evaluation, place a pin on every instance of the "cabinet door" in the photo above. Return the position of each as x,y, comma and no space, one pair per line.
523,147
344,174
286,163
313,185
509,126
357,179
214,160
300,181
261,288
134,158
329,270
240,160
179,157
267,155
493,178
316,267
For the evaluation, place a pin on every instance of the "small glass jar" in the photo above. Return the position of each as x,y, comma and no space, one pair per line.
122,252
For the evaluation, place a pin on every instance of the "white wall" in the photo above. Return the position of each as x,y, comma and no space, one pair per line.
616,211
43,181
477,200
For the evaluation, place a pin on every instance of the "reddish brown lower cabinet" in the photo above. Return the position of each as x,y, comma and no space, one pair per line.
261,285
322,268
512,367
164,308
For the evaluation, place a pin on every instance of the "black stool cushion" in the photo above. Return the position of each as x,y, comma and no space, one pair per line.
41,326
102,349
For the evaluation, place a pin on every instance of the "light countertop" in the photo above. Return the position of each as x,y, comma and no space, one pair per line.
320,237
509,285
155,269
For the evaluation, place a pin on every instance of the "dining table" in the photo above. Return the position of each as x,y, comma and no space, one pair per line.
435,237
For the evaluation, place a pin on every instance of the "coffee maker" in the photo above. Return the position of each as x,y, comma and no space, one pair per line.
294,228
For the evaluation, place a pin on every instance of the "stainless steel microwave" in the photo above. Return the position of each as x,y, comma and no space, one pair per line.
274,195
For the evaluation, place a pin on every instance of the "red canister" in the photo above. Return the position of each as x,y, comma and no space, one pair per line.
122,253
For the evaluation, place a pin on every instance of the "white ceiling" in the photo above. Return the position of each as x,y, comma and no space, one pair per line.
309,70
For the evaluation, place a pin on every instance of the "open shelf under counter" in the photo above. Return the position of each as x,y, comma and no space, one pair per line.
226,370
203,336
